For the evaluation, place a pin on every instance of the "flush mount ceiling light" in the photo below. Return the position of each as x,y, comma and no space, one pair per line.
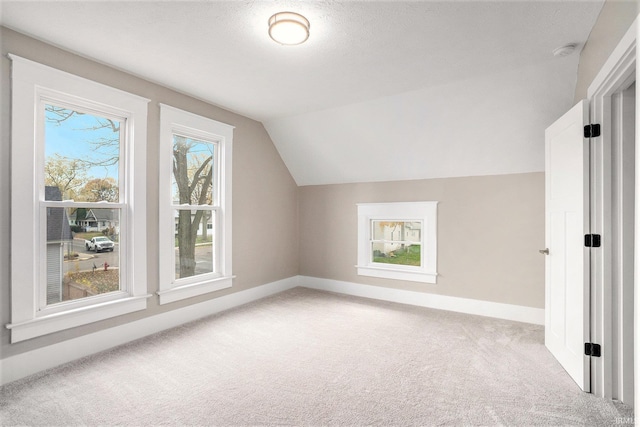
289,28
565,50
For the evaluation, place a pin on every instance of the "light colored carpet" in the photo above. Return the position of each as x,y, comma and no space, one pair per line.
310,358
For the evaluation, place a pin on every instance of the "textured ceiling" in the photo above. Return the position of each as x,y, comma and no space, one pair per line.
328,96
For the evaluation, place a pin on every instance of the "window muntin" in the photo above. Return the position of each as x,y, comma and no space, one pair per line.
38,212
195,215
398,240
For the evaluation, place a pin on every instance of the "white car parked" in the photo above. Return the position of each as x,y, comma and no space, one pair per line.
99,244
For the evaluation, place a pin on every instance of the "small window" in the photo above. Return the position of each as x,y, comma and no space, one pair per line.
398,240
195,215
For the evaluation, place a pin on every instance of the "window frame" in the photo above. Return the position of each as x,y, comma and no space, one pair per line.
33,85
176,121
45,97
425,212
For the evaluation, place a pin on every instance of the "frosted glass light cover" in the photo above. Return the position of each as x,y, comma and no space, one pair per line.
289,28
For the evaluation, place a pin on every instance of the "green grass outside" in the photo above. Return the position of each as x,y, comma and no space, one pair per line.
409,256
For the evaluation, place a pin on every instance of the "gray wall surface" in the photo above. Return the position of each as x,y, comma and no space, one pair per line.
489,231
264,194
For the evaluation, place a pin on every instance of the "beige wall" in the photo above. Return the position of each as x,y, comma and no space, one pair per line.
264,194
490,229
613,22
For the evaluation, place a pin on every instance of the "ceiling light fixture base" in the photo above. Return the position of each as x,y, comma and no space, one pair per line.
565,50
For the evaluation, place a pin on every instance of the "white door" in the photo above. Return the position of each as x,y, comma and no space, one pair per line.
567,262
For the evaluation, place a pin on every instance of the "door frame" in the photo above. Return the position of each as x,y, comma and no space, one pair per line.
619,69
623,208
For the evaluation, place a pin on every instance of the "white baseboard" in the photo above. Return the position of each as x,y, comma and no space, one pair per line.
25,364
442,302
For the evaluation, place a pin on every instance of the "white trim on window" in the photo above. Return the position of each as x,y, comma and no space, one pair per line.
423,212
175,121
32,84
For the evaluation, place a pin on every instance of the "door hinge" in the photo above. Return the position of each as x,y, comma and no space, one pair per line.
592,131
591,349
592,240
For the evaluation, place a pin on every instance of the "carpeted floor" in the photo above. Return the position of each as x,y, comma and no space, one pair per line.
309,358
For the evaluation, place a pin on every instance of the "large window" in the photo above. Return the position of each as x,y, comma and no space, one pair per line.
78,238
398,240
195,214
81,171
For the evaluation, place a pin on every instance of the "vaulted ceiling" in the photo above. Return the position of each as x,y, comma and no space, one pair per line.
381,90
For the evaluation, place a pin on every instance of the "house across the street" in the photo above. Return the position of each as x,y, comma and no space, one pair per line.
96,220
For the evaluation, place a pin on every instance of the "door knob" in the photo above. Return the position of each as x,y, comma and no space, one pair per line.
544,251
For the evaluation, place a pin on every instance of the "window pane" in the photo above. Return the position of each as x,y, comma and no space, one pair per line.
401,242
396,253
82,253
402,231
193,173
82,155
194,237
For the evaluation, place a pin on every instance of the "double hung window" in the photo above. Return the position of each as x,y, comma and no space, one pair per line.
78,238
195,214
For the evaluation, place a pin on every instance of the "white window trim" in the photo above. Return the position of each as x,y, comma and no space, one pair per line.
401,211
174,120
31,84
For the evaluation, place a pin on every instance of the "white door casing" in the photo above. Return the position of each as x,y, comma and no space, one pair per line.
617,73
567,261
622,242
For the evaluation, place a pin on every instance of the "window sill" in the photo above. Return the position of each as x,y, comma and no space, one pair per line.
77,317
397,274
194,289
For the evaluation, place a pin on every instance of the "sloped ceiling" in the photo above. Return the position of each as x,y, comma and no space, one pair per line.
380,91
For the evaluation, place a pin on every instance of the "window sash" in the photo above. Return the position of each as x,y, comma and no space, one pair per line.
70,102
215,243
47,97
174,121
43,308
374,220
395,266
214,207
96,109
215,161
